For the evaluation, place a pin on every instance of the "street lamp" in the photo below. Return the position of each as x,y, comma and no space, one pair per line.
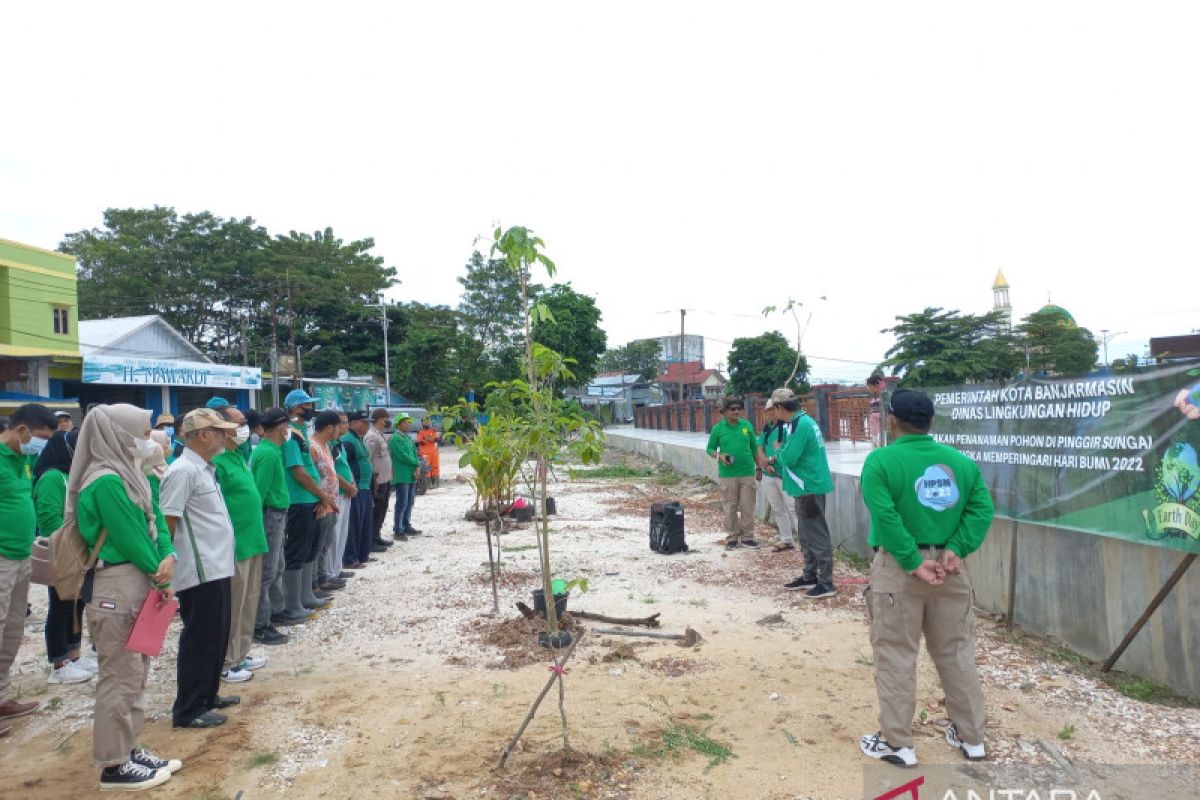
300,359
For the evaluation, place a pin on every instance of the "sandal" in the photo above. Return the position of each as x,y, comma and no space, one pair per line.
779,548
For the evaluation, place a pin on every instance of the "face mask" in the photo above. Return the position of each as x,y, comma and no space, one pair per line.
147,449
307,414
254,440
169,431
34,446
153,460
242,434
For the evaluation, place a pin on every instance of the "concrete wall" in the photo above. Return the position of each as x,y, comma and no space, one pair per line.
1082,589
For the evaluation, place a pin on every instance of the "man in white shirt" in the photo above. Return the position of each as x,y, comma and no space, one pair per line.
202,534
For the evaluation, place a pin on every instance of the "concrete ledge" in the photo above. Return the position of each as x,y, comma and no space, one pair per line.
1081,589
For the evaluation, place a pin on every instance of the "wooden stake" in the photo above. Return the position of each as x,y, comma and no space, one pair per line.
541,696
1149,612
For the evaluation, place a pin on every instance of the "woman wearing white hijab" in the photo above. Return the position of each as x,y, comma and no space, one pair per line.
108,490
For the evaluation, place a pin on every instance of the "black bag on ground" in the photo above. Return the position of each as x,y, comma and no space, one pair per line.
666,528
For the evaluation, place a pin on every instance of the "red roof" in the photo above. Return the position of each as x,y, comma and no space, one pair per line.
692,373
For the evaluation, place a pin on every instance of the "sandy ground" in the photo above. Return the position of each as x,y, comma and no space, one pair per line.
396,691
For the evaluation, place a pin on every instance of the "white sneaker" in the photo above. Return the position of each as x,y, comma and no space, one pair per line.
253,662
236,675
88,663
68,673
875,746
974,752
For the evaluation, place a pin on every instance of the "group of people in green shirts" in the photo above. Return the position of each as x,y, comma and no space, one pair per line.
247,519
929,508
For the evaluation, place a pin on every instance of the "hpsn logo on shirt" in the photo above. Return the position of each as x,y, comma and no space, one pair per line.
936,488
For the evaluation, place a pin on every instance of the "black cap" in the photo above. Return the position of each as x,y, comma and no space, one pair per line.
274,416
912,407
356,416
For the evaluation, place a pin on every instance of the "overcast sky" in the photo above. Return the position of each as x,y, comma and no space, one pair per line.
714,157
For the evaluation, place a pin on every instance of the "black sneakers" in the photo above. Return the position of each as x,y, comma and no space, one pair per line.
132,777
148,760
731,544
820,592
800,583
750,543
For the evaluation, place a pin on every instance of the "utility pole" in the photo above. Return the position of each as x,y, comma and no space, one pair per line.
682,357
1105,335
387,370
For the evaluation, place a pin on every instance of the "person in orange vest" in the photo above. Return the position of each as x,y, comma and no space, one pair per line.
427,446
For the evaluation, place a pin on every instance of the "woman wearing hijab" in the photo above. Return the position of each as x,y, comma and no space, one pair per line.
64,619
108,490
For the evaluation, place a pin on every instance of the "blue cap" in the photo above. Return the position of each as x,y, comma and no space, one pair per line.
297,397
217,402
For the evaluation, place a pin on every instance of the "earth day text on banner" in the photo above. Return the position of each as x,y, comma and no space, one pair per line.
1114,455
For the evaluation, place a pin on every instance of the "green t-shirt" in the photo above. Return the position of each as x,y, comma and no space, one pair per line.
356,450
160,521
243,502
269,475
297,454
801,462
17,518
920,492
104,504
403,452
49,497
737,440
342,467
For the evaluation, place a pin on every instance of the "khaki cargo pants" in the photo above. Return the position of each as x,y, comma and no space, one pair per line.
117,596
737,494
14,593
902,608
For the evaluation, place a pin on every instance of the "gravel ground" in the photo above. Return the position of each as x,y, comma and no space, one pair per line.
410,668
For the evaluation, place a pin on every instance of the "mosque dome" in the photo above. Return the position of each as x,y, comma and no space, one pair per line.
1059,313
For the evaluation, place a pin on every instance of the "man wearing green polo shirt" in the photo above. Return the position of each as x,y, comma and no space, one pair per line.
930,508
804,467
362,507
266,463
302,541
249,543
29,428
403,452
733,443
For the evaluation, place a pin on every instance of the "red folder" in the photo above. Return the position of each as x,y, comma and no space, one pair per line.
150,628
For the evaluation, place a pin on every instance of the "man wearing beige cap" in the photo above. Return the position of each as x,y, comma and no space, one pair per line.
202,533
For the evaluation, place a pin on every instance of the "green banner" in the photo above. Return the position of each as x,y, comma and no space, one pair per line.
1114,455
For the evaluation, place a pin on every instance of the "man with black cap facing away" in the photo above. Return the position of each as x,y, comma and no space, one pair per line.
930,508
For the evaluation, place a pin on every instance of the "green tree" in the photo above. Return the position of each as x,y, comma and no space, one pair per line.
490,306
433,354
946,348
763,363
232,290
191,269
1056,345
572,329
639,358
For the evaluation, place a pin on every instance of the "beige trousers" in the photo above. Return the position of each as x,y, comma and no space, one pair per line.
782,508
243,608
117,596
14,594
738,496
902,608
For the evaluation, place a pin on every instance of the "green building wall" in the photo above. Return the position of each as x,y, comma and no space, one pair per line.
33,282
